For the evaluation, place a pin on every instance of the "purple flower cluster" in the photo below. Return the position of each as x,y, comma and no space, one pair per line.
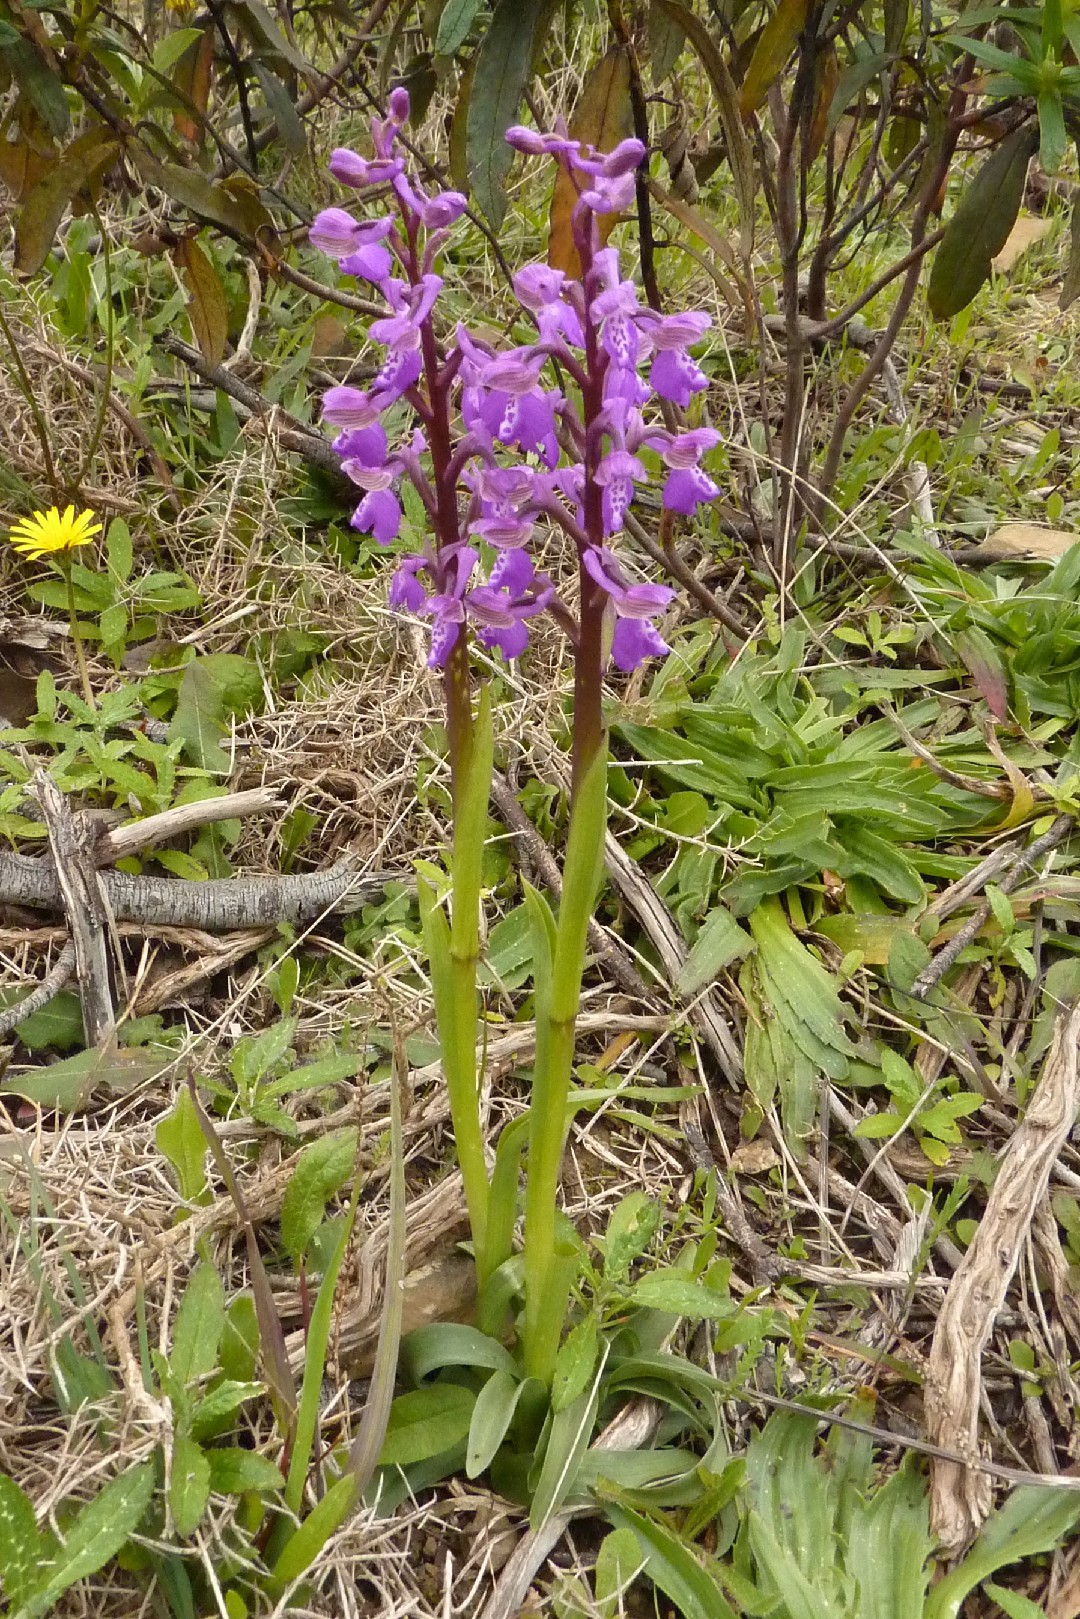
549,433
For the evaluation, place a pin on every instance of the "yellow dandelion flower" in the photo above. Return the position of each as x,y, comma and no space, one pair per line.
47,532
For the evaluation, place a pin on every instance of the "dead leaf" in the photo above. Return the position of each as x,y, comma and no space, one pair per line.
754,1157
604,116
1026,540
328,336
1024,234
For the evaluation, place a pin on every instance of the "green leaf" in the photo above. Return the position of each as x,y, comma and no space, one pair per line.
618,1562
69,1084
457,18
179,1138
43,88
234,1470
214,1413
451,1343
119,550
200,1322
673,1567
1013,1603
282,107
774,45
503,69
189,1486
575,1362
23,1548
676,1293
322,1169
213,689
239,1351
302,1548
425,1422
1032,1521
980,225
58,1025
491,1418
720,942
568,1440
632,1226
170,49
99,1531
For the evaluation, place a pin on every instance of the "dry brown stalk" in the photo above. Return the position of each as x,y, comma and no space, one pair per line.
959,1495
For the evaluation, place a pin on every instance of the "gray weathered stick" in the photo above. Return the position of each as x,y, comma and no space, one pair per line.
76,880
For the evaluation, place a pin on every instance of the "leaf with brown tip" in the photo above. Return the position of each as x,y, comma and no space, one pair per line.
775,44
603,116
41,213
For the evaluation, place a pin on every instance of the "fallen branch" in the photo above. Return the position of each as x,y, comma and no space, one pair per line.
220,905
42,993
78,890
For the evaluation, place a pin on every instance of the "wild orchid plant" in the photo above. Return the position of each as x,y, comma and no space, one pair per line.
508,449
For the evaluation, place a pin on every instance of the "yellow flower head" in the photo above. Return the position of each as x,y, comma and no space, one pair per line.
46,532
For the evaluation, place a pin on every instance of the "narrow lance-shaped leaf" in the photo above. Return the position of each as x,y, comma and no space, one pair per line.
980,226
504,65
775,44
208,310
603,116
739,155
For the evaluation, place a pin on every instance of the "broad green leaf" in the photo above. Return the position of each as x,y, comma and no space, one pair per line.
676,1293
213,689
673,1567
980,225
200,1322
322,1169
233,1470
491,1418
618,1562
504,66
119,549
214,1413
631,1228
69,1084
234,205
23,1548
451,1343
425,1422
169,50
801,1598
575,1362
457,18
889,1546
280,102
239,1351
720,942
100,1529
58,1025
1033,1520
189,1486
179,1138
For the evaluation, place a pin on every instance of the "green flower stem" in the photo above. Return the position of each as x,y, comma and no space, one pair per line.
546,1278
453,954
64,564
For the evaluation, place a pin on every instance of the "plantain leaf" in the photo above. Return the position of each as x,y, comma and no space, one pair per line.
980,226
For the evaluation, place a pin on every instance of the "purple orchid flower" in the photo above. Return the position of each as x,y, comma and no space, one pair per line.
635,606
